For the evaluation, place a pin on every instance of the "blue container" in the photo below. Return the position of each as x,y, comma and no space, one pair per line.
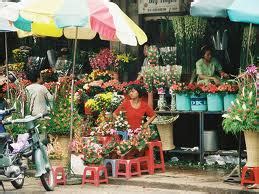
227,100
215,102
183,102
199,103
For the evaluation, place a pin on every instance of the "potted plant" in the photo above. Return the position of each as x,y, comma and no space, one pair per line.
183,99
242,116
229,90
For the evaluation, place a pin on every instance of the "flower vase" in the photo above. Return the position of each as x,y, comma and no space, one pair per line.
173,102
161,103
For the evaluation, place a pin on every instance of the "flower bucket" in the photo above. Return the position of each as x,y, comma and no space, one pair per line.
252,147
199,103
183,102
227,100
77,164
87,111
215,102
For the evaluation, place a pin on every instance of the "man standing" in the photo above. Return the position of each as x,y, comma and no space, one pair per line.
39,97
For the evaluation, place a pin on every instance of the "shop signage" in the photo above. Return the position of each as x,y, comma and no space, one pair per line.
160,6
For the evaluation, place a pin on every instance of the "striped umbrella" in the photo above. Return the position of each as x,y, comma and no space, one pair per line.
5,26
55,18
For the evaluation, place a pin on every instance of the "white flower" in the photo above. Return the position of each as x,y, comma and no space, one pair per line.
237,118
237,101
243,91
250,95
244,106
225,116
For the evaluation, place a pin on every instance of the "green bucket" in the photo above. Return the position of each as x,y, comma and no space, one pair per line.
199,103
215,102
183,102
227,100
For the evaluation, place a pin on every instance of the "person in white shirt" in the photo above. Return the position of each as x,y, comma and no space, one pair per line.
38,96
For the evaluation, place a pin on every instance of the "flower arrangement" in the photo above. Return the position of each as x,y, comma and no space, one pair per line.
197,89
173,74
180,88
18,67
48,75
116,101
153,55
100,75
77,144
228,87
121,124
105,59
168,55
210,88
124,59
242,115
94,152
20,55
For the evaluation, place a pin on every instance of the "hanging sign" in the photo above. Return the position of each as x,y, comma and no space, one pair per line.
160,6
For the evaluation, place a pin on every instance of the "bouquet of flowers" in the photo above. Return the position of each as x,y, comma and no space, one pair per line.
242,115
121,124
104,60
103,101
153,55
168,55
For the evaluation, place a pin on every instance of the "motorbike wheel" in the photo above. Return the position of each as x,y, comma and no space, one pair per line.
18,183
47,180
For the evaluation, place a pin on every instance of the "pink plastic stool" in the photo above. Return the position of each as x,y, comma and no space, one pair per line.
95,175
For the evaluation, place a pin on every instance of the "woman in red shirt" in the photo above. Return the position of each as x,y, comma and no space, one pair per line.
135,108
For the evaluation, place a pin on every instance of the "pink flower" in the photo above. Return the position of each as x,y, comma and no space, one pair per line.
160,91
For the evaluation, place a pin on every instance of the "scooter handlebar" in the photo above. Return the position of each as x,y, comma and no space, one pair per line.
7,111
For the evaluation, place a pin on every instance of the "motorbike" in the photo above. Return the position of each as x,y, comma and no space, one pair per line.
11,166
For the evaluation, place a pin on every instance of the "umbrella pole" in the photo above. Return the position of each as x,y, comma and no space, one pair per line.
6,65
72,99
248,44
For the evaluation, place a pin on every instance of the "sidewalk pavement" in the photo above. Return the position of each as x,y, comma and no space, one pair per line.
182,179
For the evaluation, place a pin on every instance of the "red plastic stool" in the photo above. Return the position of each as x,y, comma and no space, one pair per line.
144,164
253,177
59,170
150,155
95,175
128,165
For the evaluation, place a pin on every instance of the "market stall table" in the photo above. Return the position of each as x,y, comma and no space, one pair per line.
201,115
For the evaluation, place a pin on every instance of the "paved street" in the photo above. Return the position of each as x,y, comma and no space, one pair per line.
32,186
